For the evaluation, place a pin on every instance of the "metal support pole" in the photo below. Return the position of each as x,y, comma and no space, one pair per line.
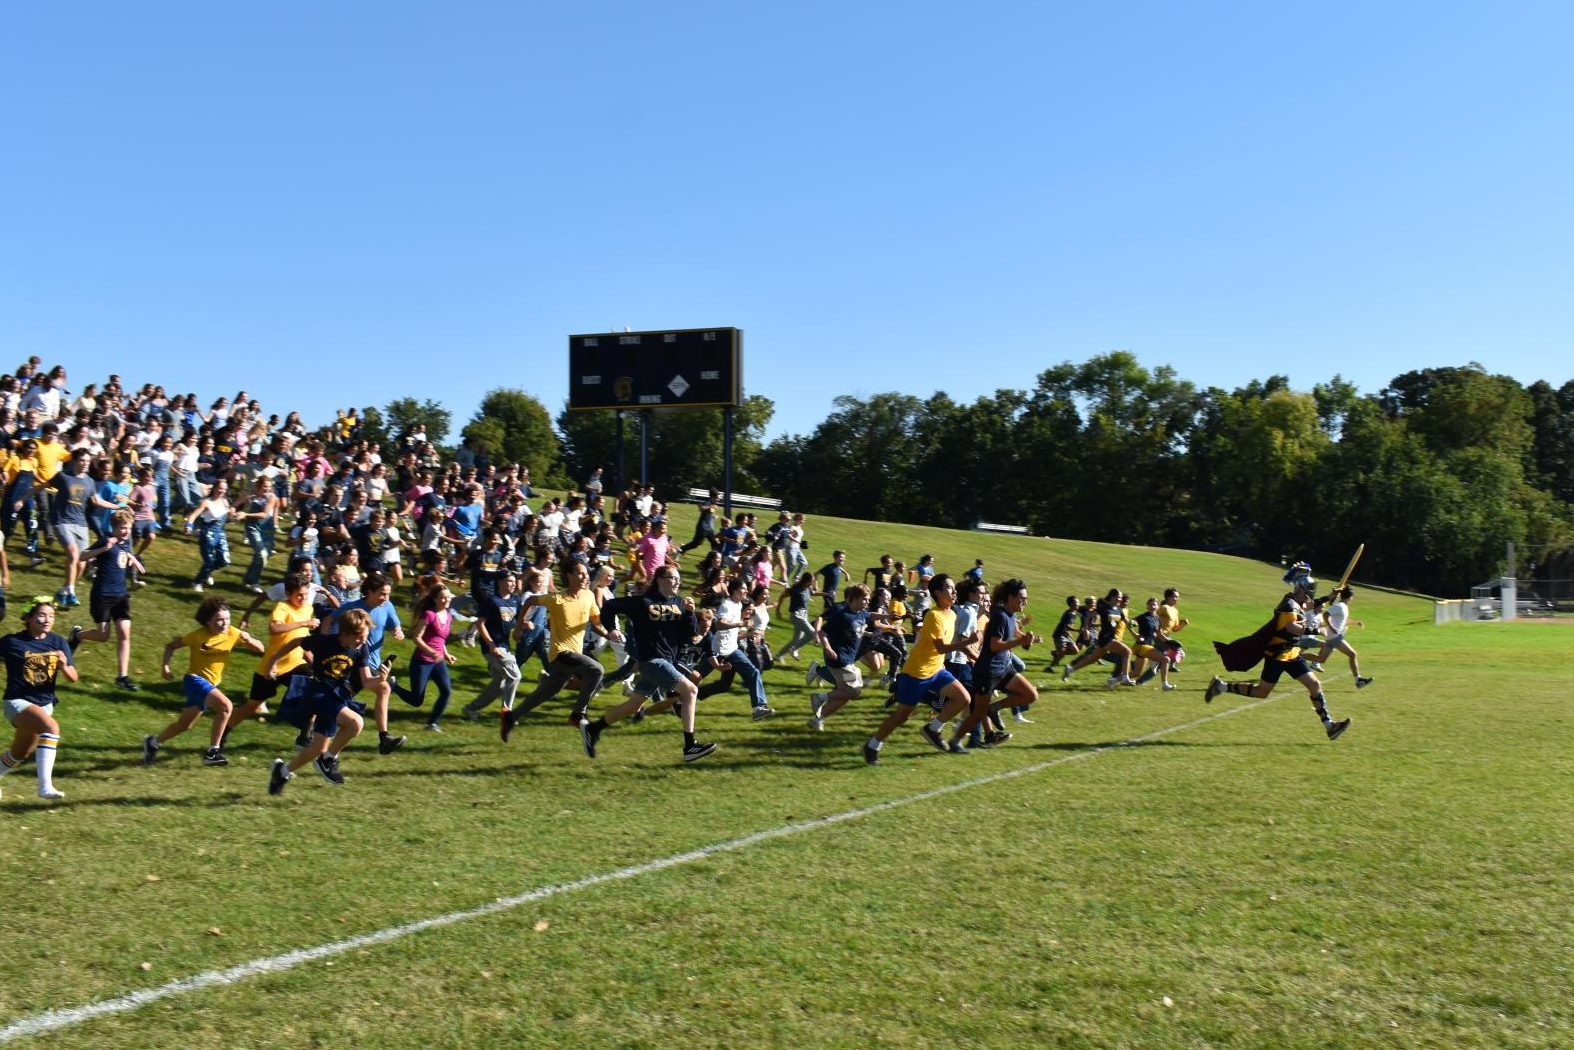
622,477
726,460
644,446
1509,588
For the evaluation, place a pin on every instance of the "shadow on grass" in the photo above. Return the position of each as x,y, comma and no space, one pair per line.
216,801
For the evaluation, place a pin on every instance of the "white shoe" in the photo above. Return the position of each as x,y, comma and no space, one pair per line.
197,587
51,793
811,674
1020,717
1065,674
1168,687
816,723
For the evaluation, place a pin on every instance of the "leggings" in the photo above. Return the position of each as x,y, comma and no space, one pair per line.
436,673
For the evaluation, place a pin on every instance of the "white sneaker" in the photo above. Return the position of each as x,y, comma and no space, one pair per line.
816,723
811,674
1065,674
1020,717
1169,687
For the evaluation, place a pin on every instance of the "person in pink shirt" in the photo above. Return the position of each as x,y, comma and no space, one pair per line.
652,548
144,504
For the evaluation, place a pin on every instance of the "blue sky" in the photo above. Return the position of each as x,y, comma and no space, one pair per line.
339,202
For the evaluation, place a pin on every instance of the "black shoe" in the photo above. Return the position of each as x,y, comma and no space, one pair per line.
956,747
1362,683
871,754
933,735
505,724
696,751
124,681
302,740
278,777
214,757
150,749
75,639
1336,729
1215,687
389,744
328,766
996,739
589,734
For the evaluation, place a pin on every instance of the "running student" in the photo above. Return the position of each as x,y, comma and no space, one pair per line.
1278,645
34,657
994,669
924,672
375,602
661,623
1065,635
292,620
839,631
499,614
209,649
1338,617
434,621
110,599
322,702
569,611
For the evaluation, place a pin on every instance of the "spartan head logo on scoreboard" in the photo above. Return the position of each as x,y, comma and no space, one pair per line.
680,368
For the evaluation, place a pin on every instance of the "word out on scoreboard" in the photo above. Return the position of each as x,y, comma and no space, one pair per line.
683,368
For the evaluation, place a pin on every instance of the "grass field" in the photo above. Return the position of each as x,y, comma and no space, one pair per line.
1238,882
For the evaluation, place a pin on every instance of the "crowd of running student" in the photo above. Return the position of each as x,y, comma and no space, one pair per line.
101,475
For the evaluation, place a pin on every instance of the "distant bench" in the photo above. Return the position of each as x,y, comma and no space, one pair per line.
989,526
762,502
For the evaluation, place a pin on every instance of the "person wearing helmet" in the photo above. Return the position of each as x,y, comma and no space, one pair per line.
1283,638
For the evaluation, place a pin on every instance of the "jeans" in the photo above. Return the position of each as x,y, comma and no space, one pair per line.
797,563
187,492
802,633
214,547
436,673
739,664
161,500
260,535
534,643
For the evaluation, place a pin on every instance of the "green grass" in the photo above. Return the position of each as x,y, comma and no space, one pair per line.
1408,885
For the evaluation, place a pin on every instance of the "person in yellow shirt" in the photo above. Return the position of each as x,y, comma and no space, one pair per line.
569,611
924,672
291,619
210,646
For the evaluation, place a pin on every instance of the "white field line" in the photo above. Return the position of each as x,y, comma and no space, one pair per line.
51,1020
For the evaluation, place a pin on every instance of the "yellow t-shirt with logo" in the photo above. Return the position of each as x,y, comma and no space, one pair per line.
924,659
566,618
284,612
210,651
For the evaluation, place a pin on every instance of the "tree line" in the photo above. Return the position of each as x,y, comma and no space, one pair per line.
1434,473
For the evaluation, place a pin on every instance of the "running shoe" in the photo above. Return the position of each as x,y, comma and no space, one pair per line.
816,723
996,739
389,744
278,777
328,766
124,681
51,792
762,713
871,754
932,735
588,735
1362,683
214,757
150,749
1065,673
505,723
956,747
1215,687
696,751
811,674
75,639
1336,729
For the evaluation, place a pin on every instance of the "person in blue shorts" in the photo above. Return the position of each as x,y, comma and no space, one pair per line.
924,672
209,648
323,700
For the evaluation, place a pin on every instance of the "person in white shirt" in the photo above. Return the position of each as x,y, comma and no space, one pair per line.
1337,616
732,659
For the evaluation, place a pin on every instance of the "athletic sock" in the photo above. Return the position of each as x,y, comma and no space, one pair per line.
1321,708
1238,688
688,739
45,757
7,762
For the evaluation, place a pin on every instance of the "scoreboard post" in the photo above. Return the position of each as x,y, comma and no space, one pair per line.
680,368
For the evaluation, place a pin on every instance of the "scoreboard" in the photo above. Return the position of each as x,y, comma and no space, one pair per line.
679,368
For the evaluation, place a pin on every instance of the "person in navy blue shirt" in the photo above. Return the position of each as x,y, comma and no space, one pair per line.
34,657
110,599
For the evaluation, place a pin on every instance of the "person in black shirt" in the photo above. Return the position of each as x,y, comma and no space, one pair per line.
661,623
34,657
110,599
1065,635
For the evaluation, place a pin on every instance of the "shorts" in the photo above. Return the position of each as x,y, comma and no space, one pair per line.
910,691
70,535
1065,642
143,530
1147,652
849,677
197,689
962,671
1333,641
109,608
1273,670
307,708
262,688
656,677
14,709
